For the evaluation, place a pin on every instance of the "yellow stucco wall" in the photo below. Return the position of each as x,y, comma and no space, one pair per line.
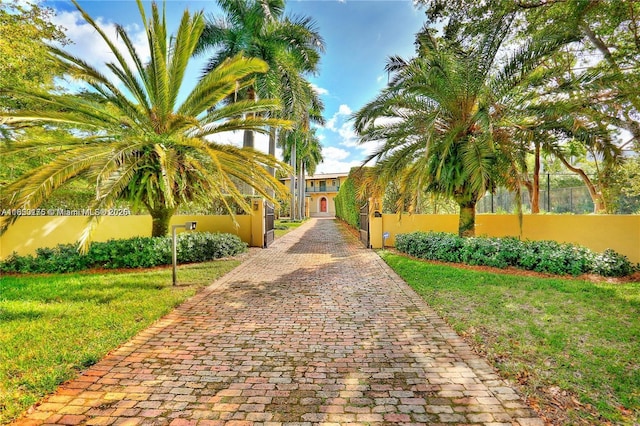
596,232
29,233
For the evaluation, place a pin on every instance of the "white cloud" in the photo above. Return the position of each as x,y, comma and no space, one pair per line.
344,110
333,153
341,124
335,166
319,90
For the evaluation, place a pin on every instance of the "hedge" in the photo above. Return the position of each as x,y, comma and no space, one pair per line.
346,205
138,252
541,256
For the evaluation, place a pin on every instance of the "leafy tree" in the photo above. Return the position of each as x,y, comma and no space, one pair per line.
599,71
135,140
444,121
25,31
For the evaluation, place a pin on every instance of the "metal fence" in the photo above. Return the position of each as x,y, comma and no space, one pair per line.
559,193
559,200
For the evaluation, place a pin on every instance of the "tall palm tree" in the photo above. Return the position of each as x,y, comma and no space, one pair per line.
136,141
259,29
307,107
444,120
309,156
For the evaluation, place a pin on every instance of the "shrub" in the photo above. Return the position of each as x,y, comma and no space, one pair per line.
138,252
201,246
483,251
612,264
541,256
433,245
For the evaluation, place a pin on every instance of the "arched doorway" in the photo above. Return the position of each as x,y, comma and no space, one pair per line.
323,205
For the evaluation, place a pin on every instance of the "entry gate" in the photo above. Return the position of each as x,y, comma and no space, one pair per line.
364,225
269,224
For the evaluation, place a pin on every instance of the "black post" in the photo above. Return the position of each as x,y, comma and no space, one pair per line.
548,193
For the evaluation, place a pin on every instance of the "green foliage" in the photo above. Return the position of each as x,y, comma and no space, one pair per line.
611,264
346,204
540,256
24,30
203,246
353,194
138,252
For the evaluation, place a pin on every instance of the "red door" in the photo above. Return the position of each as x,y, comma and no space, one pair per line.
323,205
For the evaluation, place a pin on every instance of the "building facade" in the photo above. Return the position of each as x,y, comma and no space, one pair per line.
320,192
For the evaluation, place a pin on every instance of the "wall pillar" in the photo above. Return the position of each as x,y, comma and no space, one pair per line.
375,223
257,222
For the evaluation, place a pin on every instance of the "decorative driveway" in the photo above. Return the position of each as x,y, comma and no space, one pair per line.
315,330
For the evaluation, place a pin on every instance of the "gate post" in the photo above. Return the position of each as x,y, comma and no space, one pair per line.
257,222
375,223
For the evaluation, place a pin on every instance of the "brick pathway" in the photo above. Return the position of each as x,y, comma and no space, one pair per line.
314,330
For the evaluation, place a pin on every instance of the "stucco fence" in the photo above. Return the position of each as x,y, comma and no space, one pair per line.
29,233
596,232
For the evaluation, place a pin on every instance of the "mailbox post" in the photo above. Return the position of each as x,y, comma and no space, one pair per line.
189,226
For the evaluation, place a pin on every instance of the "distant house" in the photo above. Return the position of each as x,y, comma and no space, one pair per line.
320,192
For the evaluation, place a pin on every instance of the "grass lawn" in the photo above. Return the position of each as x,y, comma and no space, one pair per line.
572,346
284,227
53,326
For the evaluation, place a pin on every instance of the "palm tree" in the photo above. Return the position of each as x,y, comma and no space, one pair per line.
308,154
444,121
257,28
136,141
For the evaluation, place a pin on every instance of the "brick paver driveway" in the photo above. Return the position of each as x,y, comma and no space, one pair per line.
314,330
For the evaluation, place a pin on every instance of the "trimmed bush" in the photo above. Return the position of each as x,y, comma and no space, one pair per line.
138,252
347,207
541,256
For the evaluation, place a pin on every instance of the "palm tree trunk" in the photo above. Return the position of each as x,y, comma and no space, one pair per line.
535,192
272,147
248,138
293,182
160,219
301,190
467,219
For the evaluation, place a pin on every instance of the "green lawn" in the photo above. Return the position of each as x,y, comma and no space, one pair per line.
284,226
573,346
55,325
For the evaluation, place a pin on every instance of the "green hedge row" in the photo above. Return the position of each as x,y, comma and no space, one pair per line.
347,207
139,252
541,256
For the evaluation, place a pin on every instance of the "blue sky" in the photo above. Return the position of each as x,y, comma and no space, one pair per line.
359,36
